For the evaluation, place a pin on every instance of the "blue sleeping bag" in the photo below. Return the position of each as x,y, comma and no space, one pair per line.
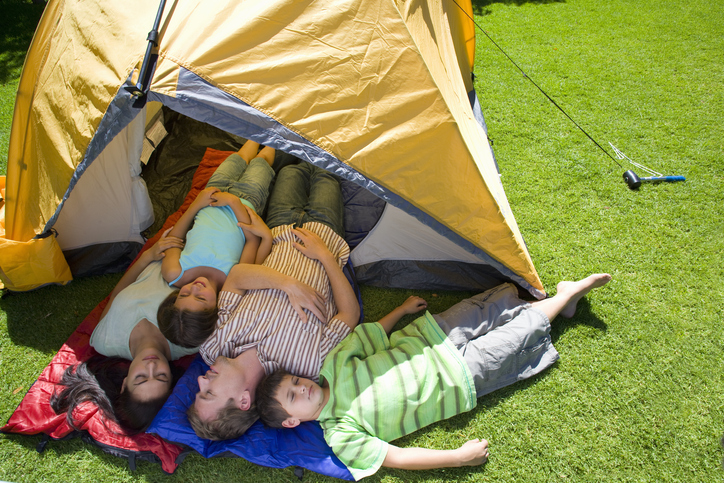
277,448
302,446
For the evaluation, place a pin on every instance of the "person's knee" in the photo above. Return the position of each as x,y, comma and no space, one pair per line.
295,170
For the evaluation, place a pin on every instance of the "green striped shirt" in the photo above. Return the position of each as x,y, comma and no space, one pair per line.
384,388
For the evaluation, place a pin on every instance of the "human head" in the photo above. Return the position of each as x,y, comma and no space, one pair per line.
149,377
271,411
185,328
197,295
100,380
224,406
285,400
231,422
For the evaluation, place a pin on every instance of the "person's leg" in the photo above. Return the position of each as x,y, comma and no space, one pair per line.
500,336
504,339
325,203
248,150
233,167
248,180
267,154
511,352
479,314
568,294
230,170
254,184
289,196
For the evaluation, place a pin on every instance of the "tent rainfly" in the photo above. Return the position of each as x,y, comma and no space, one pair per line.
379,92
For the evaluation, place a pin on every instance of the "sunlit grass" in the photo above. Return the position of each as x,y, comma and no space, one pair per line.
637,394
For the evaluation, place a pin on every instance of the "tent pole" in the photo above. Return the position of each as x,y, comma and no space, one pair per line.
140,90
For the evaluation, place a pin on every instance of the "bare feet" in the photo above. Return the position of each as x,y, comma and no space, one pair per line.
577,290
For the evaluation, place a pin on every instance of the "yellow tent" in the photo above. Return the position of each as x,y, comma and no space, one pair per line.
378,92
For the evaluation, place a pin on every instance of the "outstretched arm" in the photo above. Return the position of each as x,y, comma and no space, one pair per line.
171,268
313,247
472,453
243,277
412,305
156,252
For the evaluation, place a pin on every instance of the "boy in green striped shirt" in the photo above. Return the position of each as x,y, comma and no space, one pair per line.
377,386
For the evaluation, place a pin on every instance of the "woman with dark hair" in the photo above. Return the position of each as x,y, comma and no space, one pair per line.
100,380
132,378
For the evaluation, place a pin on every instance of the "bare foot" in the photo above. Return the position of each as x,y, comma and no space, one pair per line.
577,290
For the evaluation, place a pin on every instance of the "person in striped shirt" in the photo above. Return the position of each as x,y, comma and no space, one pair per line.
376,387
288,312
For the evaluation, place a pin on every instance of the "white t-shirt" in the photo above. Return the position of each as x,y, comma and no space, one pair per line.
138,301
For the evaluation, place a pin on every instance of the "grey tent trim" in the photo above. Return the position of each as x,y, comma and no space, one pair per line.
200,100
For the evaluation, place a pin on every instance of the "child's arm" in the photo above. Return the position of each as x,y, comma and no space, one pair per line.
243,277
171,268
251,249
412,305
472,453
256,227
156,252
224,198
344,297
250,253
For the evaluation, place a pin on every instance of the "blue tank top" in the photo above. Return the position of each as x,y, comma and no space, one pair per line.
214,241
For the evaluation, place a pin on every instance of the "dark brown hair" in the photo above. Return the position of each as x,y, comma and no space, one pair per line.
99,380
185,328
270,409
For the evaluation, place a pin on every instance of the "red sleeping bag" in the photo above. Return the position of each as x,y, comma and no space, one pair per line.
34,414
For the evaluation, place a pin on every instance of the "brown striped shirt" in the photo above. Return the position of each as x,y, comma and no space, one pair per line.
266,320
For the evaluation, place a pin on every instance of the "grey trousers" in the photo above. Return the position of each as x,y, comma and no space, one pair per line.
502,338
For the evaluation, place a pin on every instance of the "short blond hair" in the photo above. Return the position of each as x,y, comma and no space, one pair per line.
230,422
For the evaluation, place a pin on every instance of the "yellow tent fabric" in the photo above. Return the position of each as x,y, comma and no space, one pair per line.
29,265
379,84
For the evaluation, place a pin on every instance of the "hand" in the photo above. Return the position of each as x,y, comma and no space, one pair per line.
163,244
204,198
311,246
473,453
222,198
413,304
303,296
256,226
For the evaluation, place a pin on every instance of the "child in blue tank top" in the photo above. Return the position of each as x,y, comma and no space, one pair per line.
215,242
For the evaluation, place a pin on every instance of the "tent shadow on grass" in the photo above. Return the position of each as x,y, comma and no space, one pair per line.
44,318
32,324
480,6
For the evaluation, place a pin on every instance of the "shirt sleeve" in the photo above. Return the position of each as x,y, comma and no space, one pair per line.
332,334
227,304
360,452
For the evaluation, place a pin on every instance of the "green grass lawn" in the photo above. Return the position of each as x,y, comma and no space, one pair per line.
638,393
